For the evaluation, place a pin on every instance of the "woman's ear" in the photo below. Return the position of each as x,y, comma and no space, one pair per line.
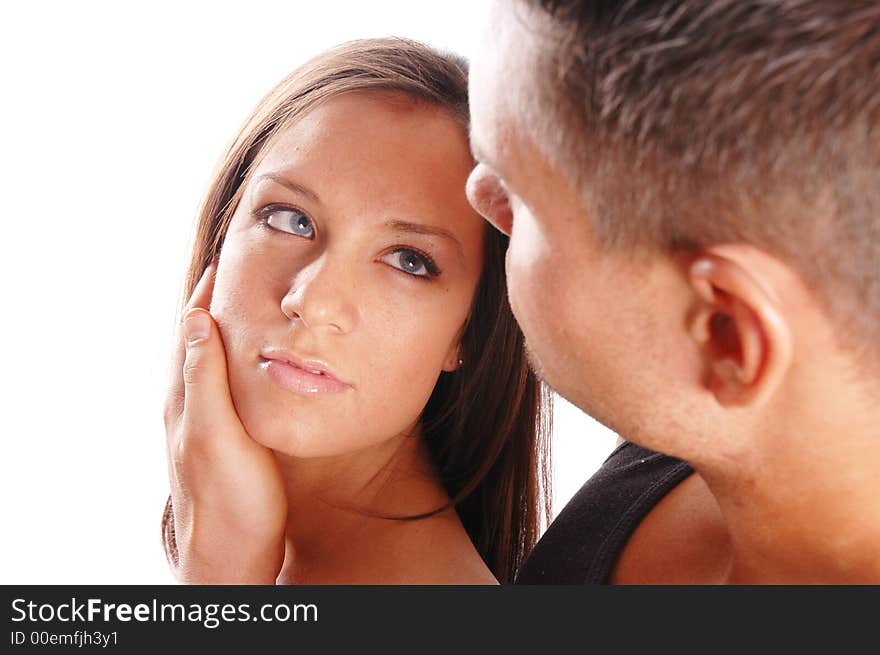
453,359
739,325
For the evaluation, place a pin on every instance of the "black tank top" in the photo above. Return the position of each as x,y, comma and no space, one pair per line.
583,543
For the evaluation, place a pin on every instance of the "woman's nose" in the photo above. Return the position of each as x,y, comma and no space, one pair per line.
321,297
488,197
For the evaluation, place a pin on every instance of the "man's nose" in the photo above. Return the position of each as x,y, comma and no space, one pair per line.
488,197
321,296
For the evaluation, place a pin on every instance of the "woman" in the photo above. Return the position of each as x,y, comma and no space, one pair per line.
353,402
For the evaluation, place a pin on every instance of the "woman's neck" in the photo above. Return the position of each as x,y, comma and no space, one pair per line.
339,530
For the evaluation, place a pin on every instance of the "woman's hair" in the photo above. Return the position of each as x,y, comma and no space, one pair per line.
487,425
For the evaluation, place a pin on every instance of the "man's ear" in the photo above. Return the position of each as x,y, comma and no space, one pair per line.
739,324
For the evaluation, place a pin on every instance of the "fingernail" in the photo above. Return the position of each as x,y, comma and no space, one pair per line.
196,327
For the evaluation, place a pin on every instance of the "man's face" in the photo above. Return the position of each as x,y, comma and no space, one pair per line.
597,324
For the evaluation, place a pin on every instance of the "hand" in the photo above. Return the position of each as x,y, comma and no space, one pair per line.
230,508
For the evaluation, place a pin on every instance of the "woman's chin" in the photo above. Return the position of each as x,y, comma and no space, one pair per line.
289,437
270,434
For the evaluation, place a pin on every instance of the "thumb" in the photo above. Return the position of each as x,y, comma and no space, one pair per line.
207,401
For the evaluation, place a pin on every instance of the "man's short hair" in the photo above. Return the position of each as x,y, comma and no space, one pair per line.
690,123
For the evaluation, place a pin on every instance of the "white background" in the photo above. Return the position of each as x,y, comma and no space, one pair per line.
112,117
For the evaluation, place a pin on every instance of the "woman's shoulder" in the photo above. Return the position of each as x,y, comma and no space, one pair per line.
438,551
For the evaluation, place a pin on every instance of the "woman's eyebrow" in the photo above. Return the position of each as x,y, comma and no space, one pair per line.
430,230
396,224
290,184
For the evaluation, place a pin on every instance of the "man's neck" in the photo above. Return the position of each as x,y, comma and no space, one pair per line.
808,512
799,517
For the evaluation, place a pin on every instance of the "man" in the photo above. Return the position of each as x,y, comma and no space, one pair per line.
692,191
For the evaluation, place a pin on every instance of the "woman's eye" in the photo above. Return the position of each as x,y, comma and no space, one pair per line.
290,220
412,262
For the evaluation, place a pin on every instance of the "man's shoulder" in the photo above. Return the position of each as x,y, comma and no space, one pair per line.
682,540
584,542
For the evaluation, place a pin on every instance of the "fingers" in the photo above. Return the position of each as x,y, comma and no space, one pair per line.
200,297
207,405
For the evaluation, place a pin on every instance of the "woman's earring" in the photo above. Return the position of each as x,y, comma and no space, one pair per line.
460,361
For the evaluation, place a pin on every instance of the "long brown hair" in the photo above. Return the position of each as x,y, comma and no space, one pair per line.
487,426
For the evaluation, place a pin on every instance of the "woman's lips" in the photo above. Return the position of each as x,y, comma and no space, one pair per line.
299,380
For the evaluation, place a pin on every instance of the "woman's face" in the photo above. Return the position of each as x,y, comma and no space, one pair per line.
347,274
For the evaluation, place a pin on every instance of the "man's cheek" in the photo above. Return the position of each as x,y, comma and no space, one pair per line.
528,240
529,257
523,292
